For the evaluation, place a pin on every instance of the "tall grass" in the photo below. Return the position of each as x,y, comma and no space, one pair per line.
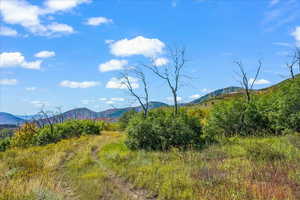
236,169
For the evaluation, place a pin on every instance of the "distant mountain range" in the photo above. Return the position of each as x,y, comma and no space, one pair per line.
110,114
78,113
7,118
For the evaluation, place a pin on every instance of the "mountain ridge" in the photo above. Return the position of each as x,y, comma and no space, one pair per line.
114,113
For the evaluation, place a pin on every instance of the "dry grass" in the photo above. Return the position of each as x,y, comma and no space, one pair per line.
239,169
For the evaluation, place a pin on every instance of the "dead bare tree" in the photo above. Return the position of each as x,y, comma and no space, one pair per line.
246,83
290,67
295,59
48,119
297,56
172,72
129,82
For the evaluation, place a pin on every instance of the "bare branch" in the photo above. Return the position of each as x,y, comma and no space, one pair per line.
126,80
172,72
245,82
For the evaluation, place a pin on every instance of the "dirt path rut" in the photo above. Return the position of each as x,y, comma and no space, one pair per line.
122,185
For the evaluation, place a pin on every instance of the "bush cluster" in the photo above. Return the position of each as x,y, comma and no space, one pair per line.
236,117
4,144
273,114
30,135
161,130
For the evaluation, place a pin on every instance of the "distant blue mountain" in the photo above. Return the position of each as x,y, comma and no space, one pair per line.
7,118
29,117
78,113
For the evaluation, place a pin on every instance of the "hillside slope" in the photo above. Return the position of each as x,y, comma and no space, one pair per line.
216,93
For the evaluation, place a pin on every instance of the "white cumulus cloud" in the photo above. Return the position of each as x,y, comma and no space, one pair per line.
45,54
61,28
259,81
195,96
296,35
149,47
38,103
117,99
27,15
172,99
74,84
160,61
8,81
32,65
115,83
63,5
113,65
6,31
16,59
97,21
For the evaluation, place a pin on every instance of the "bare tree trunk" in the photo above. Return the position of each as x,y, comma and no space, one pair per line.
172,73
127,80
175,102
246,83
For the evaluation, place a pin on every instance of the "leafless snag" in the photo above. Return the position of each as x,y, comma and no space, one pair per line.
127,81
59,115
246,83
172,73
48,119
295,59
290,67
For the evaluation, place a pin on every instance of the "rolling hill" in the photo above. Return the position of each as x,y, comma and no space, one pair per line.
227,90
114,113
7,118
78,113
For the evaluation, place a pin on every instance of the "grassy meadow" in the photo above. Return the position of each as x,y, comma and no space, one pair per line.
102,167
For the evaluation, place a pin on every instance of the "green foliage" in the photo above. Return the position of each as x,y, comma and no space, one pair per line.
6,132
4,144
125,118
25,135
288,116
29,134
161,130
68,129
237,117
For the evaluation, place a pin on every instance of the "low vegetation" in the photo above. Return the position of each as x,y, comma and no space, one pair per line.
30,135
248,168
161,130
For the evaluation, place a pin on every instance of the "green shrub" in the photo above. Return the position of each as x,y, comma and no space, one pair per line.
25,135
6,132
29,134
125,118
237,117
161,130
68,129
4,144
289,107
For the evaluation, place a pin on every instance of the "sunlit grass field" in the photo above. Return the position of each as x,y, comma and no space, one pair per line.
102,167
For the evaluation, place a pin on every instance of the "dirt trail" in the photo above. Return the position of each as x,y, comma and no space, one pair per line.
122,185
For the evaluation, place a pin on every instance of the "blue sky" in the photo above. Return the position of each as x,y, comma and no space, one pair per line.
69,53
